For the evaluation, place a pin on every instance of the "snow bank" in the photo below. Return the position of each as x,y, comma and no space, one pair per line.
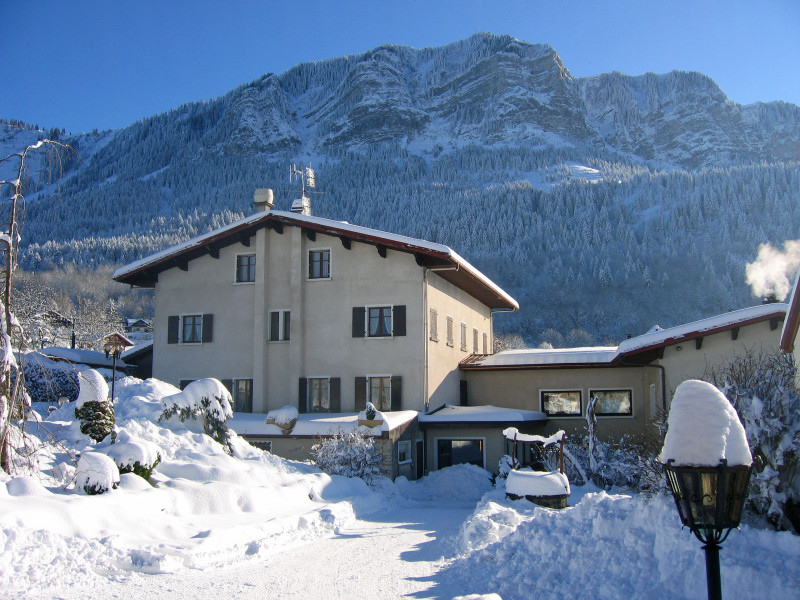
93,388
129,451
703,428
465,483
611,547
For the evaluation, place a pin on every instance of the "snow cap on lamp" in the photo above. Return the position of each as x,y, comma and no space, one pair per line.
703,429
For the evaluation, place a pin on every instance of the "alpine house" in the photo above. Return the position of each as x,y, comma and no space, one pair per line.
286,308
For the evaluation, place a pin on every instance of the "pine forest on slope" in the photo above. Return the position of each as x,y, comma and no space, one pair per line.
603,204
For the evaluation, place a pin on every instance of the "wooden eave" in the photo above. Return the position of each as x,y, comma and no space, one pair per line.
455,272
652,351
790,327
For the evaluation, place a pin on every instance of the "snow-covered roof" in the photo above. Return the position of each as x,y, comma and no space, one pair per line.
480,414
312,425
83,357
138,348
537,357
672,335
792,322
143,272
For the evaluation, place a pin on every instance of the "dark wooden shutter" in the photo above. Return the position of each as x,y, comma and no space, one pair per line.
397,392
302,396
399,319
361,393
287,322
208,328
336,394
358,321
173,325
274,326
464,397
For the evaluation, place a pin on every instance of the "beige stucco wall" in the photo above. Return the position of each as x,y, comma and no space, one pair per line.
207,286
321,343
684,361
443,359
521,389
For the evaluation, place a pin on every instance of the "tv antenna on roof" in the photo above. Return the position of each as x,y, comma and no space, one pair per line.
304,174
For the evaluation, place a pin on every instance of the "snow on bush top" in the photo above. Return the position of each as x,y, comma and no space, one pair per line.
191,398
93,388
96,472
129,450
285,415
703,428
512,433
527,482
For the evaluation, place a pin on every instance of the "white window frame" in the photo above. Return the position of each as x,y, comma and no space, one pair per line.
308,264
578,415
613,389
459,439
369,390
236,268
309,406
405,444
282,312
367,308
181,317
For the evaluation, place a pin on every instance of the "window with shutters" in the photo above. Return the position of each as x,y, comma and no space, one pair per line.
379,391
379,321
319,264
434,325
463,336
485,343
319,394
279,325
449,331
474,340
245,268
191,329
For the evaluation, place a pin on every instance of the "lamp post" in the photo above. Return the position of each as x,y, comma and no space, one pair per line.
709,492
114,344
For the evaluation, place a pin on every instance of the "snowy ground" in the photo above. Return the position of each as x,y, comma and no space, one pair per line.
255,526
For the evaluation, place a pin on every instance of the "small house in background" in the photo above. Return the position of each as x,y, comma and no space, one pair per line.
140,359
89,358
138,326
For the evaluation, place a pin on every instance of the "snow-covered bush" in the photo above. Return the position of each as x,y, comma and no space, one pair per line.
133,455
93,407
206,401
762,388
506,465
47,381
351,454
96,474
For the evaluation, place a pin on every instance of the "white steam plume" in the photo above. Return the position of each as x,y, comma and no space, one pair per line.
773,271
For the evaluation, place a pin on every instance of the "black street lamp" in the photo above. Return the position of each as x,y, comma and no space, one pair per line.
710,502
704,435
114,344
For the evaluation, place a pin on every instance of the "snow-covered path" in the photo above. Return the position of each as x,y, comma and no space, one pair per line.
389,554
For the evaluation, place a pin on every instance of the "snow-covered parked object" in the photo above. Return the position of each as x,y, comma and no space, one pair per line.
93,407
703,429
513,434
206,401
546,488
370,416
96,474
133,455
284,417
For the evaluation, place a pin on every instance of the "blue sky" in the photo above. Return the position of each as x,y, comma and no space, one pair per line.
104,64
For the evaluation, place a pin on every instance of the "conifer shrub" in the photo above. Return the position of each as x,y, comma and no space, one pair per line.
93,408
206,401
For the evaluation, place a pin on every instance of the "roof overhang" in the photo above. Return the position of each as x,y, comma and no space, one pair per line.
792,323
446,263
